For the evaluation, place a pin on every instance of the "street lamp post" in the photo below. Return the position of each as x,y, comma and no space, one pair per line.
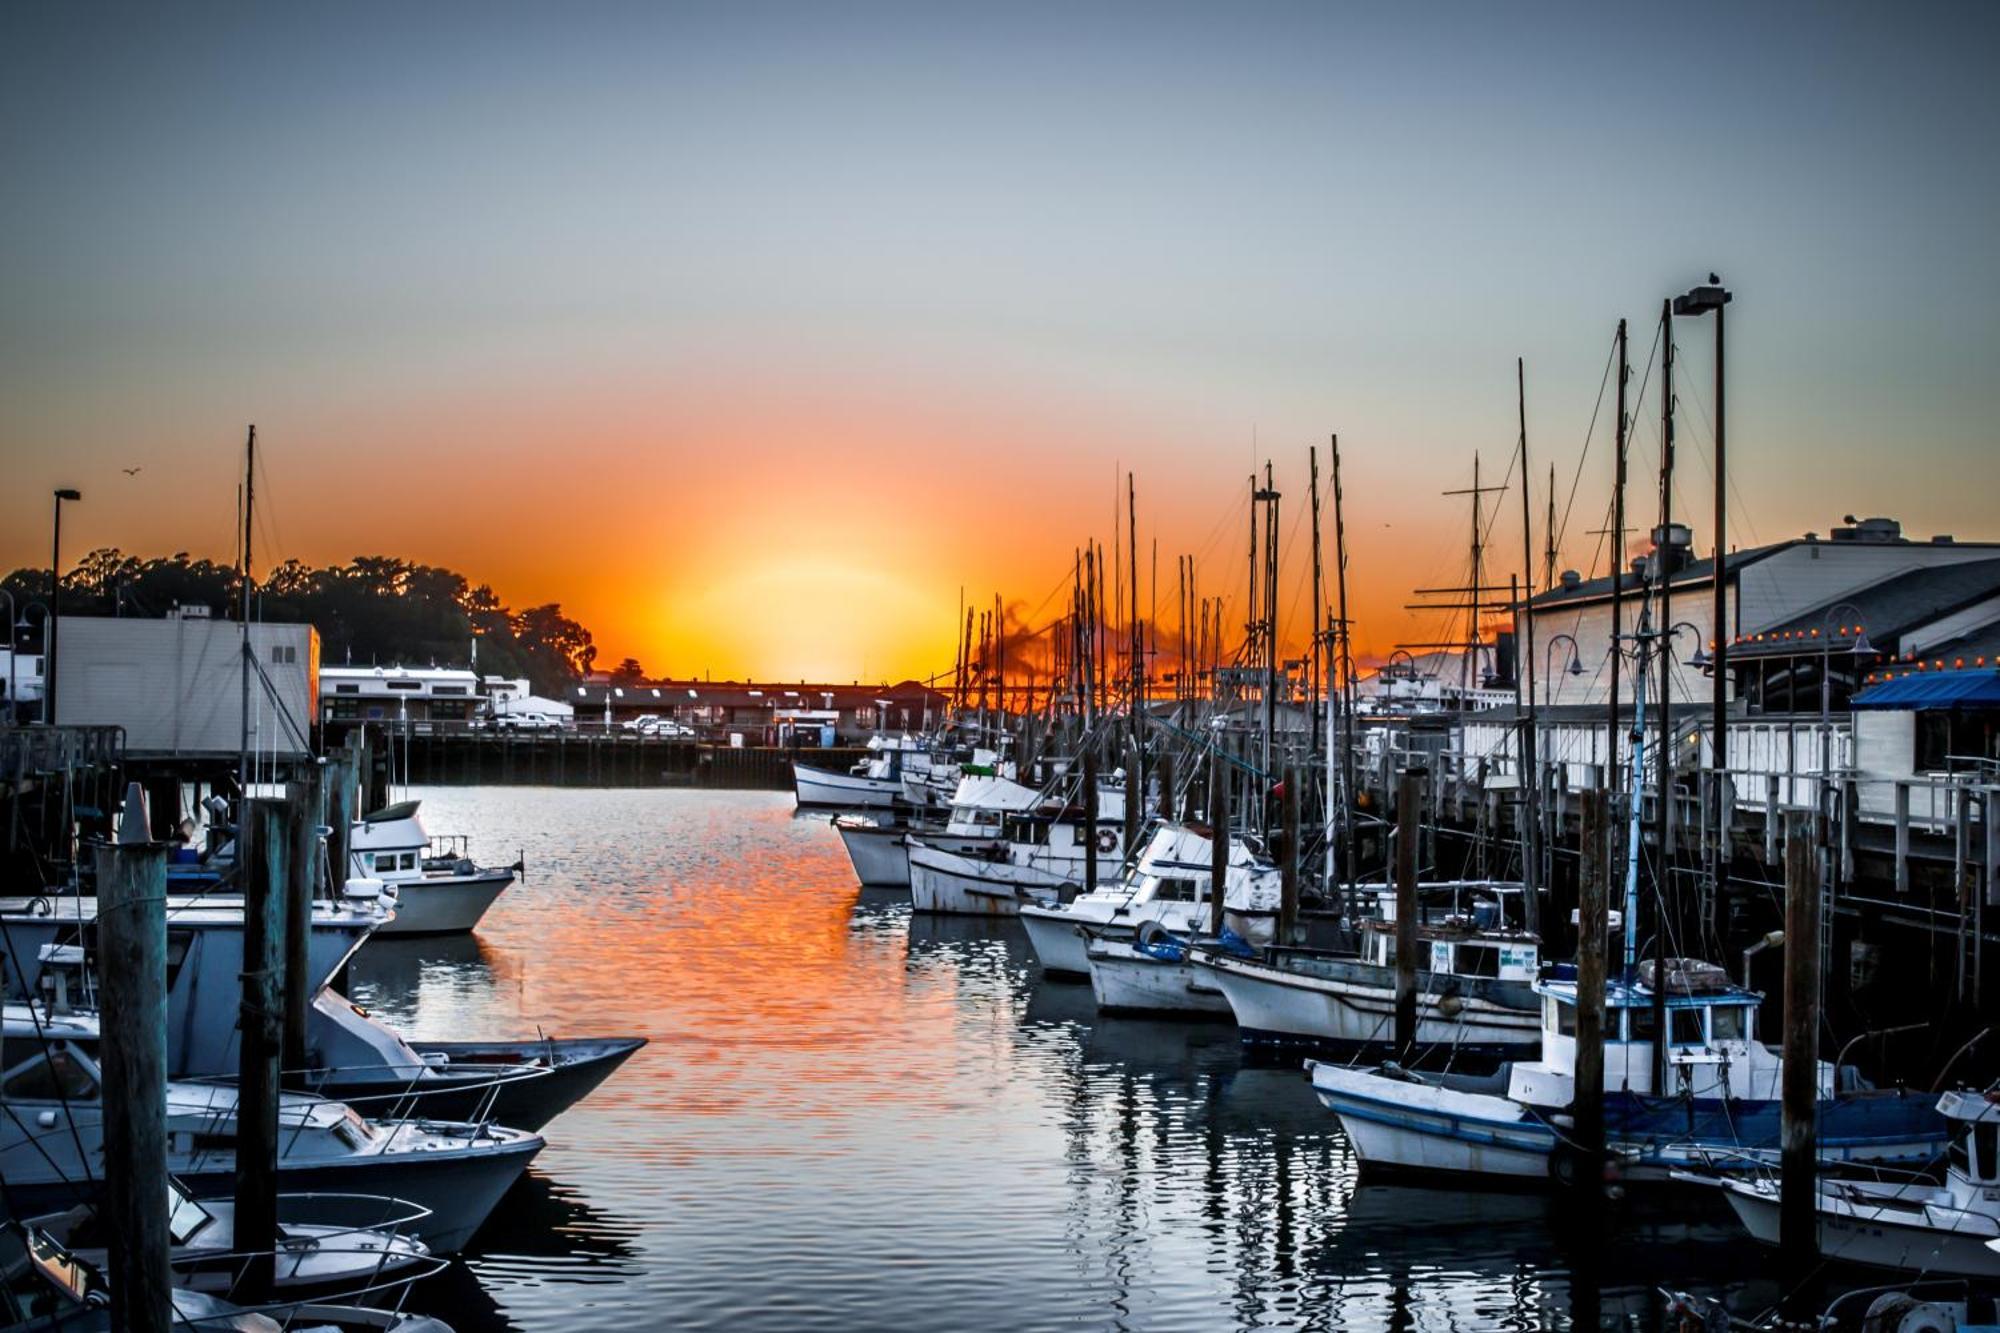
1699,300
1575,667
55,603
13,653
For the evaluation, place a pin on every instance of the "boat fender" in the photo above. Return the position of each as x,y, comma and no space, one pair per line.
1569,1165
1107,840
1450,1004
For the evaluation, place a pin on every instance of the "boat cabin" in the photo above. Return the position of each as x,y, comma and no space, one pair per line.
1974,1152
1465,928
1712,1046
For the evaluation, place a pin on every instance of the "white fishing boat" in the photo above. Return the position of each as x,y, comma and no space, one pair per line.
327,1244
52,1138
1169,886
1719,1108
49,942
47,1288
875,783
1040,854
1150,974
1476,969
1917,1226
439,890
878,845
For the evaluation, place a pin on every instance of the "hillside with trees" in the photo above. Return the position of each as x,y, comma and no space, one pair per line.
373,609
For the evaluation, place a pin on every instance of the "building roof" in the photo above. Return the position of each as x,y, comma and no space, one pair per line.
1694,573
1884,612
745,694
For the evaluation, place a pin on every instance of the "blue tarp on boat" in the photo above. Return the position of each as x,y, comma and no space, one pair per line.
1934,689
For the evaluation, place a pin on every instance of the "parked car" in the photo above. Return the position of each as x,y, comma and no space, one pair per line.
524,722
653,726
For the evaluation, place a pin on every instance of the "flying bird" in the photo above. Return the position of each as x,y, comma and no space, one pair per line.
134,471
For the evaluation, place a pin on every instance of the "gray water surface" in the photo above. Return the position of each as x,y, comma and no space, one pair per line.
848,1118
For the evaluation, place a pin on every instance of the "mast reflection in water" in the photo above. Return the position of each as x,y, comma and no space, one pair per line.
847,1119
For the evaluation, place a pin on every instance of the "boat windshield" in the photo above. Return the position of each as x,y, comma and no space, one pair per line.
62,1269
185,1217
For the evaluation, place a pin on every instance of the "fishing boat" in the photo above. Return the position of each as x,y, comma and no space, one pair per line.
1475,974
1720,1108
438,888
52,1138
875,783
1039,855
1151,973
1169,886
47,1288
977,797
1915,1225
328,1244
48,948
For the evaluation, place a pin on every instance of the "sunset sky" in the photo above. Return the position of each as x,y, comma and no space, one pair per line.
753,334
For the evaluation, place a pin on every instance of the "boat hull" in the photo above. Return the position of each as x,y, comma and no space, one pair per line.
578,1066
880,859
825,788
459,1185
1061,940
1274,1006
1127,980
445,904
954,884
1429,1126
1853,1232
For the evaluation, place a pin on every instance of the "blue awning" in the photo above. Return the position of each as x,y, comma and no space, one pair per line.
1934,689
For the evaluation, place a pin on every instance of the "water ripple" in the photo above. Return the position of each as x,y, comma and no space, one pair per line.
848,1118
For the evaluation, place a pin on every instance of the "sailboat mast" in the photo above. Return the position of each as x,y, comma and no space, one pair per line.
1617,545
1344,664
1531,773
243,616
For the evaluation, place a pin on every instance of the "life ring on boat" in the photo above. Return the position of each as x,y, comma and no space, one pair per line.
1107,840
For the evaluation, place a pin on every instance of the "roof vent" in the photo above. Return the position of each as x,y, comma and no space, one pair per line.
1571,580
1869,531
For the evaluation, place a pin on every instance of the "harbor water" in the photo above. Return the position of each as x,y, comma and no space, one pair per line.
848,1118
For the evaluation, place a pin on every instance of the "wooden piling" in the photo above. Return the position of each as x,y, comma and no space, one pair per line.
1798,1222
302,875
1592,930
267,860
1288,900
1170,809
343,777
1409,823
132,980
1218,844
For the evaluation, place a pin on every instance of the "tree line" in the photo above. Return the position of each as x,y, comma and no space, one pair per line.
373,609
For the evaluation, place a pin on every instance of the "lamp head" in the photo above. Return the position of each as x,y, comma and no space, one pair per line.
68,494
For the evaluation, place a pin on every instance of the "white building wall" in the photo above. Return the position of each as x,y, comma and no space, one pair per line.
175,685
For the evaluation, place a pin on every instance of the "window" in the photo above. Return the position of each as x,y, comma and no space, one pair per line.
1642,1024
409,860
448,689
56,1076
1725,1023
1478,960
1686,1027
1933,741
1985,1143
1565,1020
1961,1157
284,653
347,689
1175,890
404,684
